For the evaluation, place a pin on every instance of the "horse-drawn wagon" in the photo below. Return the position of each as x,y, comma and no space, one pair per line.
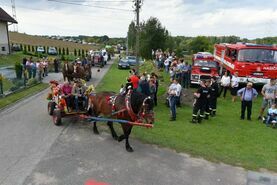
129,109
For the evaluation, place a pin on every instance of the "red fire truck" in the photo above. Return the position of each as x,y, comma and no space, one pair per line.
203,66
253,62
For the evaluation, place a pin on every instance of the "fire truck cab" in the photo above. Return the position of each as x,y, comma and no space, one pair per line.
203,66
253,62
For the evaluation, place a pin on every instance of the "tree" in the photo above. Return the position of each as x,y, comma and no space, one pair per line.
60,51
200,43
132,36
63,51
75,52
67,51
79,52
152,36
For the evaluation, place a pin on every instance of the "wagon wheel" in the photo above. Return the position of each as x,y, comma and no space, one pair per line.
51,107
57,117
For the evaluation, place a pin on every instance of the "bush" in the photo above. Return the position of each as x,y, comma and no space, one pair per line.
62,58
18,70
32,81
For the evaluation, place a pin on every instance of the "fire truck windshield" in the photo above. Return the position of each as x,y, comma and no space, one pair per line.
204,63
257,55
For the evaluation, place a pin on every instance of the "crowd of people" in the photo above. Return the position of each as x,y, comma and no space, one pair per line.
206,95
37,69
177,68
144,83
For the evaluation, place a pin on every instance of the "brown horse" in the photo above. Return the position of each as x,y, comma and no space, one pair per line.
108,104
81,72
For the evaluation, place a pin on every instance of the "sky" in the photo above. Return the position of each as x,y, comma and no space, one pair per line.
244,18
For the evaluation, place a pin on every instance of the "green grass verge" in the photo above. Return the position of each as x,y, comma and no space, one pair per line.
10,60
224,138
24,93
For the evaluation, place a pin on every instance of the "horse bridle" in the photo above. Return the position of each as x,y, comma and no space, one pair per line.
142,113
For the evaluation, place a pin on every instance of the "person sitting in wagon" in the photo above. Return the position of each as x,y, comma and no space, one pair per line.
55,95
78,92
66,91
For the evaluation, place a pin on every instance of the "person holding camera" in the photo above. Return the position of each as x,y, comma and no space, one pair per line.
174,92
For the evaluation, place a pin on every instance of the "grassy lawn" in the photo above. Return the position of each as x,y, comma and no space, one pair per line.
9,60
224,138
17,96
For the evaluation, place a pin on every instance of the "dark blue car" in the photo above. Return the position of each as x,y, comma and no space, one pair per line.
123,64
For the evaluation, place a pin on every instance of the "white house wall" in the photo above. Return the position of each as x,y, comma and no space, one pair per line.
4,38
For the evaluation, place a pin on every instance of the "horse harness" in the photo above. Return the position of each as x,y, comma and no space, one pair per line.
128,107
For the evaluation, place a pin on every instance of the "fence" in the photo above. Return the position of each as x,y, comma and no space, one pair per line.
9,85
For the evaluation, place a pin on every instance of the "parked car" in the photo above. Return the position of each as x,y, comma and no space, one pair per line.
16,47
132,60
52,51
123,64
40,49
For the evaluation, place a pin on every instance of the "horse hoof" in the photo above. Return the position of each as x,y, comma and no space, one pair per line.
129,149
95,131
115,138
120,138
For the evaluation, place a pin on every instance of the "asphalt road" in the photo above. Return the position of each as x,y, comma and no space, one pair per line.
27,133
35,152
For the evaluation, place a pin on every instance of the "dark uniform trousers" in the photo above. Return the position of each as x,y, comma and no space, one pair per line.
199,105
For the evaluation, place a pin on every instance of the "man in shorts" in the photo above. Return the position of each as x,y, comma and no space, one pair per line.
269,92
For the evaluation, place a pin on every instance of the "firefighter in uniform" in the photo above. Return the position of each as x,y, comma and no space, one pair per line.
201,98
207,106
213,96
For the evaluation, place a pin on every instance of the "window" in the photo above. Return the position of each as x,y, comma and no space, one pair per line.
258,55
3,48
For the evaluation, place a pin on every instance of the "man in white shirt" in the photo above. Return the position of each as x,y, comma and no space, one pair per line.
174,92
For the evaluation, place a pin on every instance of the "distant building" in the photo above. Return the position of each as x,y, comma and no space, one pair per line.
4,32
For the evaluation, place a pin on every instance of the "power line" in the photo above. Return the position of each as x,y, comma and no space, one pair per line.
99,1
82,15
95,6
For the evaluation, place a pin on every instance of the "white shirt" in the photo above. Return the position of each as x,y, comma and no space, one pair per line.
166,62
175,89
234,81
225,80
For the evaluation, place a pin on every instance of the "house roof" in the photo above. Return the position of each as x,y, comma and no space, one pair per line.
4,16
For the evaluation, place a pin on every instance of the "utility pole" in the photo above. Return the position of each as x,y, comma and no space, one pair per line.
15,28
138,4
